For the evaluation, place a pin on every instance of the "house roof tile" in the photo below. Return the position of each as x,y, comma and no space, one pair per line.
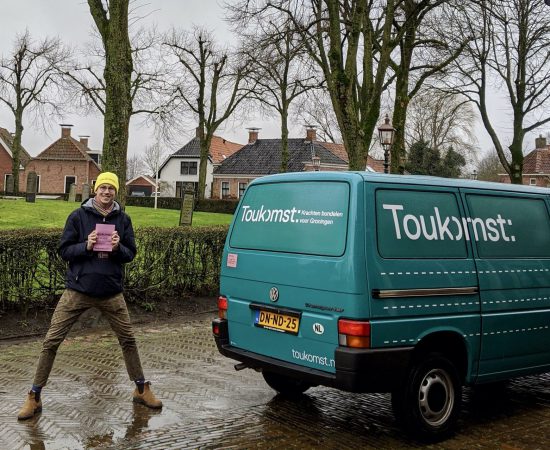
339,150
220,149
537,161
66,149
7,138
263,157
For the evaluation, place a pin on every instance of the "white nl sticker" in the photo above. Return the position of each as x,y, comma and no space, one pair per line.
232,260
318,328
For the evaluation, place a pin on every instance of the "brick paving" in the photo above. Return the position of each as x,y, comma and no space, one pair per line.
208,405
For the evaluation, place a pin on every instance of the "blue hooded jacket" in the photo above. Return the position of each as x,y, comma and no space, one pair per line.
93,273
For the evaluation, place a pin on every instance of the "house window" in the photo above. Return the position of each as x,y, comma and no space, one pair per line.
37,183
68,181
533,181
188,168
242,188
183,186
225,189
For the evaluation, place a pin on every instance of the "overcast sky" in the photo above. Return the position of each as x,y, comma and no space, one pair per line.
72,22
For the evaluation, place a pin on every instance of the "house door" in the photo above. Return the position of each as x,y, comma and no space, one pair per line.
68,182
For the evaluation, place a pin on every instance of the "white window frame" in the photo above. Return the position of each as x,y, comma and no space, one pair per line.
228,188
189,164
532,181
37,184
239,189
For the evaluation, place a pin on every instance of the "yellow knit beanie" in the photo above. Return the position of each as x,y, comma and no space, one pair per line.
106,178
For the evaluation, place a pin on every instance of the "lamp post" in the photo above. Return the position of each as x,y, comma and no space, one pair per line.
386,133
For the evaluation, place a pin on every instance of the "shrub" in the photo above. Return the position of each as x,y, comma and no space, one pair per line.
170,262
217,206
206,205
149,202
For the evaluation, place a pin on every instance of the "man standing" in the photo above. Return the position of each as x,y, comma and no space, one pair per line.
96,255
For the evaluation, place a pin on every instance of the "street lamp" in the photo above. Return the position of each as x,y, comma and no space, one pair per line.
386,133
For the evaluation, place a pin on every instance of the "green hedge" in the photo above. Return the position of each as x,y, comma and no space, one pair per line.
149,202
217,206
207,205
171,262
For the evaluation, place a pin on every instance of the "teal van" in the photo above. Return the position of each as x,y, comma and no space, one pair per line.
380,283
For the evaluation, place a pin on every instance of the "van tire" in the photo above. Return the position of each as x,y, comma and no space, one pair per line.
428,402
284,385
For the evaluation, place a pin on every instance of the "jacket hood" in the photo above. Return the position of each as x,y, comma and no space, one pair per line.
88,204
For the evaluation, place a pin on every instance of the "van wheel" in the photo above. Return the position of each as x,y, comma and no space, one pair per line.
428,403
284,385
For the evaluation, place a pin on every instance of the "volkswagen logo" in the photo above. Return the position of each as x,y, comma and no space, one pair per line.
274,294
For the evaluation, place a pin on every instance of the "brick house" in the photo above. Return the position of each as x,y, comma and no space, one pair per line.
6,159
180,171
142,186
64,162
263,157
536,165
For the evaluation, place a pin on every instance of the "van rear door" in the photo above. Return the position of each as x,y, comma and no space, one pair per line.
287,269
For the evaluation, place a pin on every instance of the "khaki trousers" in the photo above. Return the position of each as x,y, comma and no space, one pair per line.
70,307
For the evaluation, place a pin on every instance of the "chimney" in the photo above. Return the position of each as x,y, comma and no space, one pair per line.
253,135
540,142
84,140
65,130
311,133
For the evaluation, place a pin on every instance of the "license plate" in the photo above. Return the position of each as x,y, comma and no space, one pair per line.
278,322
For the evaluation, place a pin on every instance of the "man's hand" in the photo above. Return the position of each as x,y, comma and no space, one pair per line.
92,239
115,239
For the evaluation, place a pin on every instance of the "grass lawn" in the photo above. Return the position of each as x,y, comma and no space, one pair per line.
53,213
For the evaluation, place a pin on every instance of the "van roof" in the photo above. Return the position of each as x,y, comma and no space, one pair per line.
370,177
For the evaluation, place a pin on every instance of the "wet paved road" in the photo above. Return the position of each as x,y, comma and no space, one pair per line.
208,405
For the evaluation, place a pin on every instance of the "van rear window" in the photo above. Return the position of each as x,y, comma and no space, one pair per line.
302,217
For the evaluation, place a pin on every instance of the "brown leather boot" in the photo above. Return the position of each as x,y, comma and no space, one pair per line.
30,407
147,397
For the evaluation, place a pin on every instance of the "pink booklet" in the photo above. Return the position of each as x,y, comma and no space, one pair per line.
104,232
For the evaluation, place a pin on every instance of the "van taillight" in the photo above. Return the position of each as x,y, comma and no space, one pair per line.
222,307
354,333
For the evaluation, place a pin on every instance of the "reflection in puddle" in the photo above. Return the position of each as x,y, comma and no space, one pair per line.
140,420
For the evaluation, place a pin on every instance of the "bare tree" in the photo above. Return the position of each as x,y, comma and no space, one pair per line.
209,84
315,108
134,167
111,20
442,120
426,48
511,53
351,42
153,157
489,168
27,86
148,87
280,69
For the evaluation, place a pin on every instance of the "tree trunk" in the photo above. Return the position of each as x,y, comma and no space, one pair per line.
16,153
205,141
284,140
117,74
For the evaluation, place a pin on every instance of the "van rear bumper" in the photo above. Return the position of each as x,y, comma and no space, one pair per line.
357,370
